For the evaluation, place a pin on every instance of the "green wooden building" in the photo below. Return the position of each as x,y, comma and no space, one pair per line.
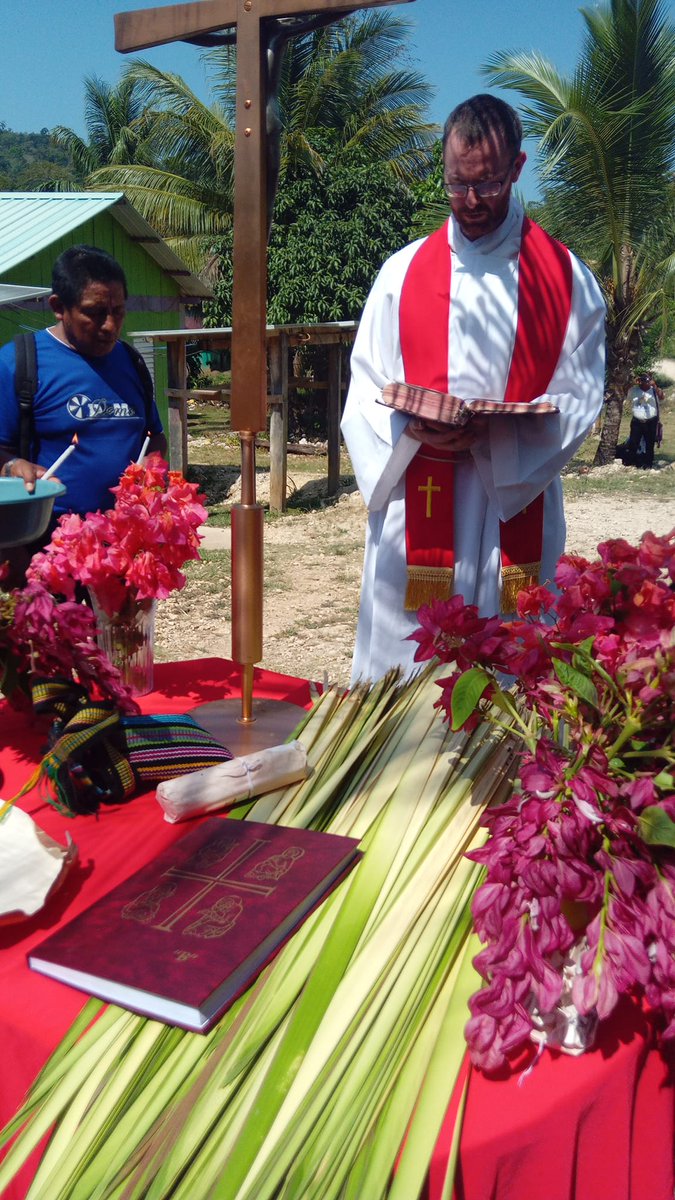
36,227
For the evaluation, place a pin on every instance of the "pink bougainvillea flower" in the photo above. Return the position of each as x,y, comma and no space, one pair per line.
58,637
127,555
133,551
535,601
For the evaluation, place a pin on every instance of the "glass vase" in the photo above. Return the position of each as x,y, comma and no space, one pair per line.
565,1028
128,639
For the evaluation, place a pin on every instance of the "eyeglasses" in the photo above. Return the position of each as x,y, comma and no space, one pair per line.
484,189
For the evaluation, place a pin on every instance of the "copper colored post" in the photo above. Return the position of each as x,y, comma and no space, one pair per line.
261,32
247,576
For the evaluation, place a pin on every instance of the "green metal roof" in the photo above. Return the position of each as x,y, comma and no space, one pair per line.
32,221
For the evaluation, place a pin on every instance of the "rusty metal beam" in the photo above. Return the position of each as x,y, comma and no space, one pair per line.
146,27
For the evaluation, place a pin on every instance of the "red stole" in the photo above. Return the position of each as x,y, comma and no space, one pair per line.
544,300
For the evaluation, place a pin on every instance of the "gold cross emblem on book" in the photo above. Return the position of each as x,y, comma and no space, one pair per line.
209,878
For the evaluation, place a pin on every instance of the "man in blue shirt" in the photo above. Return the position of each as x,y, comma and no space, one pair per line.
88,384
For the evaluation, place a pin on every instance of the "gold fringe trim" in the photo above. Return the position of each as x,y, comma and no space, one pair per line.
426,584
514,579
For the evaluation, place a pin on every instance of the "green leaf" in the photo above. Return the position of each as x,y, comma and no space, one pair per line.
656,827
466,694
310,1081
577,683
665,780
505,702
586,647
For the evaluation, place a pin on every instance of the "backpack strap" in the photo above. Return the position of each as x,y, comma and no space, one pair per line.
145,379
25,386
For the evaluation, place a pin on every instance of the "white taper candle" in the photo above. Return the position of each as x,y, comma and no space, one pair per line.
59,461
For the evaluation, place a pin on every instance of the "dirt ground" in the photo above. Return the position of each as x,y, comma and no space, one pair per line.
312,577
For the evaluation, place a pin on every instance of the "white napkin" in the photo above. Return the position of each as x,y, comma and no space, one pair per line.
32,865
220,786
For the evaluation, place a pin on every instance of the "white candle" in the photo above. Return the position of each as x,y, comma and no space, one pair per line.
61,459
144,450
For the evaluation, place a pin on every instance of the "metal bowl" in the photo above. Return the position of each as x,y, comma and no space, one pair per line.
24,515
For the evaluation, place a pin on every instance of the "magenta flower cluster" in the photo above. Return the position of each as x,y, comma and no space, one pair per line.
40,635
587,679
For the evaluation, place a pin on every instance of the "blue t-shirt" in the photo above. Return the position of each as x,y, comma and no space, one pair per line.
99,399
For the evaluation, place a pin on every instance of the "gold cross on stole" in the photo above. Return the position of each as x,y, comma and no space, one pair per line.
428,488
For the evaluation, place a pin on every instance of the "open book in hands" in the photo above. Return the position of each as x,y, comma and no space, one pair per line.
439,406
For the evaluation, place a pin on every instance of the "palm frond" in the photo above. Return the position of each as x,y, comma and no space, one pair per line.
606,141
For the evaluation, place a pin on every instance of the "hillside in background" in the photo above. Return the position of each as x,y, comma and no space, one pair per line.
29,159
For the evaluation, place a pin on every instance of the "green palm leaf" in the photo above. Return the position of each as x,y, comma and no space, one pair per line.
606,136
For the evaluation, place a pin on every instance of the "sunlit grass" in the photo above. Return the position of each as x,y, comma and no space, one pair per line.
216,462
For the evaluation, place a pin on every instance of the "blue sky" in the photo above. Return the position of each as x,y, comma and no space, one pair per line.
50,45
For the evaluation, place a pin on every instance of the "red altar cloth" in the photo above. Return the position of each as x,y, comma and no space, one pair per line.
599,1127
596,1127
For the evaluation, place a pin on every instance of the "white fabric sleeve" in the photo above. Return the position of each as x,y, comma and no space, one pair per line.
372,431
522,455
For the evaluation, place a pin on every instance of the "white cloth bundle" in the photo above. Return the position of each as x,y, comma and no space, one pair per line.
222,785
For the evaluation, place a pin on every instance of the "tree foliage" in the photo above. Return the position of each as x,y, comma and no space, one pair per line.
343,91
114,120
26,159
329,237
607,139
184,185
342,99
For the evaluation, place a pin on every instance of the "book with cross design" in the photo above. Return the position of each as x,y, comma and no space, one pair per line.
430,405
187,933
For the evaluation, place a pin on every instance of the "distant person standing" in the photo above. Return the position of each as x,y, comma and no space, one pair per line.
644,424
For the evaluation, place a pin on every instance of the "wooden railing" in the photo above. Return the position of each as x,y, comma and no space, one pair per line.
281,341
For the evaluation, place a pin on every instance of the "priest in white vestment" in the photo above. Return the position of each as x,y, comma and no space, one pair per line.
492,308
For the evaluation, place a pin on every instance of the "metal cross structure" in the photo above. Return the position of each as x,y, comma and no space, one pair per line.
260,30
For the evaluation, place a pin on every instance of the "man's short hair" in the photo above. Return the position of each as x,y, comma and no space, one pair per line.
480,116
80,265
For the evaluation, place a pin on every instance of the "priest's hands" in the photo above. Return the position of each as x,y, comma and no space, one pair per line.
447,437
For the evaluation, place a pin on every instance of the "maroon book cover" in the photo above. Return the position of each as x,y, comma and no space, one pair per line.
439,406
182,937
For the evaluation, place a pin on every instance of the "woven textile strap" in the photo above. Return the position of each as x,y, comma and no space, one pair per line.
97,756
163,747
85,765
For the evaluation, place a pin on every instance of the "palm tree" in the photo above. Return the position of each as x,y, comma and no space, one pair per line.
184,186
339,100
607,136
340,95
113,118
